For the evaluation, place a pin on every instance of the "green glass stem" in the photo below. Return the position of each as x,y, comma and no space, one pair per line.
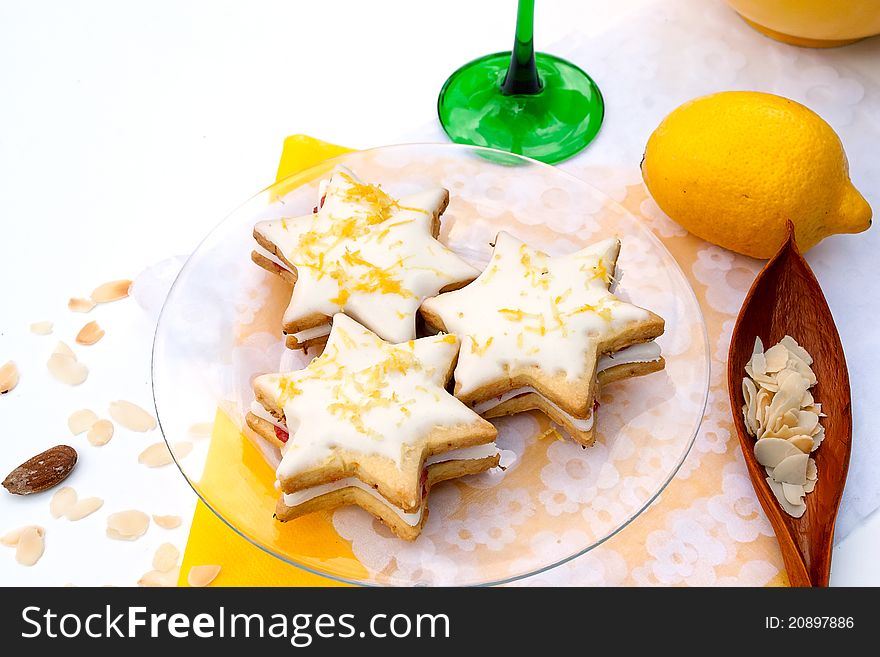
522,74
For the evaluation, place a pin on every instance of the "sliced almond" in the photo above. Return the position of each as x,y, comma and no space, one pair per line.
182,449
8,377
62,348
759,346
750,394
85,508
112,291
81,421
797,350
62,501
131,416
30,546
794,493
100,433
202,575
41,328
771,451
812,470
818,437
159,578
807,402
762,403
776,357
79,305
89,334
803,443
795,510
792,470
127,525
166,557
807,421
10,539
781,431
790,418
67,369
759,364
168,522
201,430
155,456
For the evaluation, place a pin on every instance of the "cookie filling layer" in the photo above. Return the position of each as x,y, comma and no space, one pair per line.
271,256
647,352
302,496
462,454
411,519
258,410
311,333
583,424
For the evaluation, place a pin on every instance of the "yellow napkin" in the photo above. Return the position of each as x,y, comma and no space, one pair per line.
211,541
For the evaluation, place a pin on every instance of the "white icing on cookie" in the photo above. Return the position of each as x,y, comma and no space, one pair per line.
528,309
302,496
364,395
366,254
462,454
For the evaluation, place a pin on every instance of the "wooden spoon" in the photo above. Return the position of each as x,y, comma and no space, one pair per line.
786,299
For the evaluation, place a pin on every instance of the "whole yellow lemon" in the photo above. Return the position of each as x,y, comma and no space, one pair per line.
735,167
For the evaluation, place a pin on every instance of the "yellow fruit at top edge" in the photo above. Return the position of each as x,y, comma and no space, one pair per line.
735,167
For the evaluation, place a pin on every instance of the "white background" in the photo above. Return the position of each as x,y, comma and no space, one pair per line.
128,130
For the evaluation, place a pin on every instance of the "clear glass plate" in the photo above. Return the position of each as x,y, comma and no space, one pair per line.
553,501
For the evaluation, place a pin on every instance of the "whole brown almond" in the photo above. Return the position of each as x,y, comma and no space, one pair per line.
41,472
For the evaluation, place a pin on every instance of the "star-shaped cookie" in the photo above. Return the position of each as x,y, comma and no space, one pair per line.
533,329
372,411
363,253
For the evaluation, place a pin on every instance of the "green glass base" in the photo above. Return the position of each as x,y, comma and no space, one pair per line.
550,126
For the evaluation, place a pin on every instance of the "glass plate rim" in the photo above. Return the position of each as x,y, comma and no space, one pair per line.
502,156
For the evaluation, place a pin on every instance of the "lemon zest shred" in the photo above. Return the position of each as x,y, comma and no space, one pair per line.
341,298
288,389
512,314
583,309
477,349
601,271
552,431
